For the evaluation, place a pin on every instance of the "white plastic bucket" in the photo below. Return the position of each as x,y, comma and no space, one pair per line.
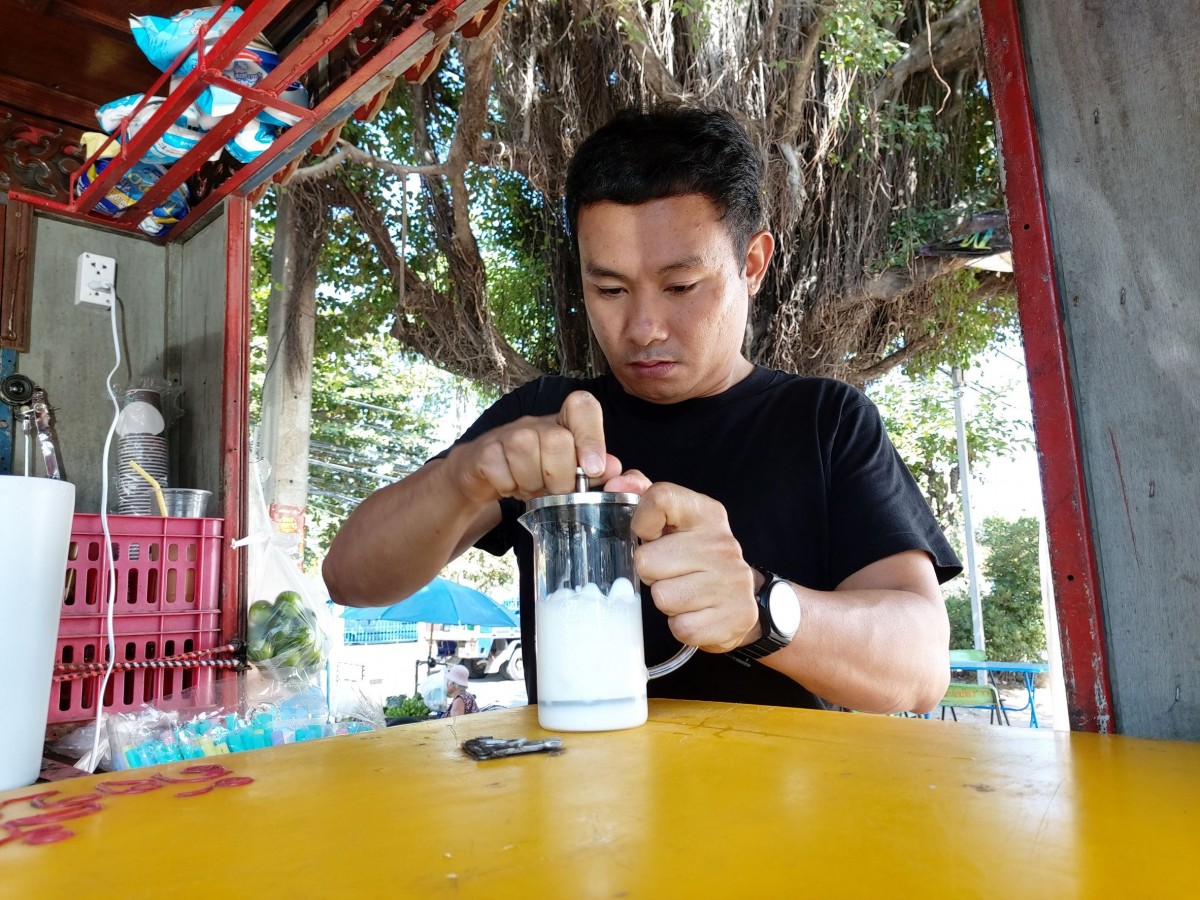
35,532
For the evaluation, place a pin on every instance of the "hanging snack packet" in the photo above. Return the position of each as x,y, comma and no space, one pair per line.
177,140
295,93
162,40
130,188
251,140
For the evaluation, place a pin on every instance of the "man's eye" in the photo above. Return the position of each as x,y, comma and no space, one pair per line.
680,288
608,291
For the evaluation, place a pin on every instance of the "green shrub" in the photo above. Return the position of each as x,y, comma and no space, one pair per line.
1013,627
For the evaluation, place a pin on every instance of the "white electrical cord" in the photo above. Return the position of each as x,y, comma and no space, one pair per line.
111,596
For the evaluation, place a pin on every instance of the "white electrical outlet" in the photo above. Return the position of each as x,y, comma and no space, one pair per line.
95,280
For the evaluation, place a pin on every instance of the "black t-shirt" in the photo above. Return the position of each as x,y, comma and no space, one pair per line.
813,488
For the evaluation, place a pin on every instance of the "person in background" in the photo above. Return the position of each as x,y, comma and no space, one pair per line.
780,531
462,701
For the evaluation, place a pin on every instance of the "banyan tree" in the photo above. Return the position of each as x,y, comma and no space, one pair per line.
873,117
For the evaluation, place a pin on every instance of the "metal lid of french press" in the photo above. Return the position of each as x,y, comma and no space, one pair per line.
582,496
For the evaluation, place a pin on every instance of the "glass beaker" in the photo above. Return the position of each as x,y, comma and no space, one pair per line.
591,667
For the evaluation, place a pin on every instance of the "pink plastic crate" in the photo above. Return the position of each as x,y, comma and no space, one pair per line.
168,585
163,565
138,638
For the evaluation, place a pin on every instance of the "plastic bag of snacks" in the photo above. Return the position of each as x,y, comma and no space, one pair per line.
177,140
253,138
151,736
249,67
162,39
130,188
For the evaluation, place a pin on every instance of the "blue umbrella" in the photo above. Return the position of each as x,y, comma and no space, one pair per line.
441,601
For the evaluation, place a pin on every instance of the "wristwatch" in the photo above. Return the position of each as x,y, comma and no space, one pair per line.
779,616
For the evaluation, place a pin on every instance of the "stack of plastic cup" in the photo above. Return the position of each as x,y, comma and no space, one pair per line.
141,438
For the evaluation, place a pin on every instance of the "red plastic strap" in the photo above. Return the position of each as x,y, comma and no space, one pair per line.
56,815
195,793
140,786
199,773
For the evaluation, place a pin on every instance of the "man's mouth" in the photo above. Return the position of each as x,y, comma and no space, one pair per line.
652,367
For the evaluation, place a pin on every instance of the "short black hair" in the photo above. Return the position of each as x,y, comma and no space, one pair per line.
669,151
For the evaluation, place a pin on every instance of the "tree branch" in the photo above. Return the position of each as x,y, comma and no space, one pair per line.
347,152
889,362
797,90
895,281
631,19
429,323
951,42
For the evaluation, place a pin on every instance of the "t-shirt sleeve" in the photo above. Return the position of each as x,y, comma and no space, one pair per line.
876,507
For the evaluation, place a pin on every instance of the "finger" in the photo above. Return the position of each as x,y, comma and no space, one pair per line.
557,460
523,455
684,552
491,467
582,416
667,507
715,628
631,482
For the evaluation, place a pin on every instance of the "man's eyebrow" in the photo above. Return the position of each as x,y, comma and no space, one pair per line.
688,262
601,272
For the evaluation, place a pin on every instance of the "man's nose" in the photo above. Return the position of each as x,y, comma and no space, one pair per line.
646,324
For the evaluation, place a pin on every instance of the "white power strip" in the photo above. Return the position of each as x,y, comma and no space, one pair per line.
95,280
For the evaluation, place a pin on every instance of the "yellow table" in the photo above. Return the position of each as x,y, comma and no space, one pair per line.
705,800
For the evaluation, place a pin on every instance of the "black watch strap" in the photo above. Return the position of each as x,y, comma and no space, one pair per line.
772,638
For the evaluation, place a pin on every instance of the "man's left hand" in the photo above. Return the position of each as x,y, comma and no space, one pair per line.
693,564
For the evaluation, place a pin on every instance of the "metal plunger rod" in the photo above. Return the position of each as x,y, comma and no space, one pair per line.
580,532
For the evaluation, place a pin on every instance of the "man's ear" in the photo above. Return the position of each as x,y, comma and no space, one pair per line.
758,255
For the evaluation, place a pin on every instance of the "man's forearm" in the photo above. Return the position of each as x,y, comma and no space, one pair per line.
871,650
400,537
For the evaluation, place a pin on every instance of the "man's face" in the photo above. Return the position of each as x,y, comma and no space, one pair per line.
666,296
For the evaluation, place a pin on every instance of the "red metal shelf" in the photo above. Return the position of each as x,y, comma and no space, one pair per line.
407,55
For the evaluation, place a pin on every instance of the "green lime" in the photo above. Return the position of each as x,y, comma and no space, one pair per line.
259,612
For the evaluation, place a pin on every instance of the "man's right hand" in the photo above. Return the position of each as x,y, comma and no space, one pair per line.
536,455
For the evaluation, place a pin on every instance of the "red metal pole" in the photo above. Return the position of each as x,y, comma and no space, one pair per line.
1068,524
235,399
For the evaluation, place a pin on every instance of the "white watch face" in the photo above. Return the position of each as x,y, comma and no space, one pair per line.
785,608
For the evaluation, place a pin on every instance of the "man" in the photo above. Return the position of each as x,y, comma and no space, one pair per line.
748,477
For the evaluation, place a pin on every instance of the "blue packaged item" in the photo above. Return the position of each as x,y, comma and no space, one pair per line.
253,138
295,93
249,67
162,39
176,141
130,188
252,64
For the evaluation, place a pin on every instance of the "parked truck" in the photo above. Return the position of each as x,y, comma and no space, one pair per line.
482,649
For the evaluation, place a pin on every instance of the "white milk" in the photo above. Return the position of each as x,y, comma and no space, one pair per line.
591,669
